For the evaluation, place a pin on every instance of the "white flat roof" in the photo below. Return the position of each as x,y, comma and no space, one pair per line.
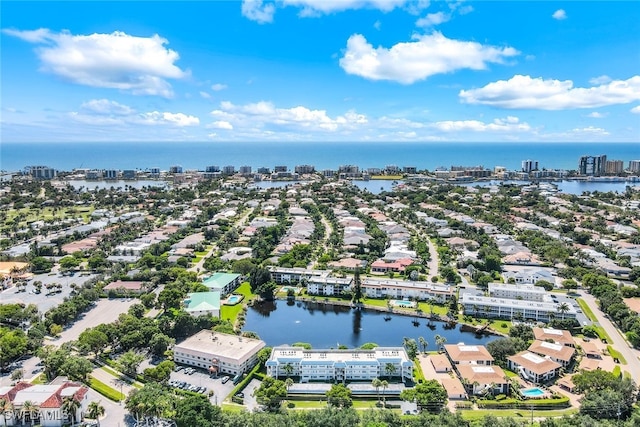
534,358
483,369
552,346
552,331
220,345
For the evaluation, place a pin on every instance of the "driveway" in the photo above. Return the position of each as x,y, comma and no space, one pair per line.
619,343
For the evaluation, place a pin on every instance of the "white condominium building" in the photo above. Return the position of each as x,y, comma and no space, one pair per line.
389,288
339,365
515,308
522,291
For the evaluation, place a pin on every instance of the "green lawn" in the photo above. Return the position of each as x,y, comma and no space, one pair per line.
28,215
616,354
231,311
440,310
477,414
501,326
587,310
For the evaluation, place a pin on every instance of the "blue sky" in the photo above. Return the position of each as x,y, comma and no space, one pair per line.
320,70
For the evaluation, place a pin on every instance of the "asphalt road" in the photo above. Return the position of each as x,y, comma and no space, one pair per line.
619,343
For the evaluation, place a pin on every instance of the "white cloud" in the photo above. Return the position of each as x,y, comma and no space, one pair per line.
597,115
105,112
600,80
106,107
263,11
433,19
591,130
416,60
377,25
218,87
559,14
636,109
221,124
508,124
258,10
140,65
265,116
525,92
205,95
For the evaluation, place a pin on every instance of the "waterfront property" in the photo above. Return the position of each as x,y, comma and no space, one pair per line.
403,303
532,367
540,311
523,291
218,352
282,275
480,379
340,365
461,354
201,303
234,299
401,289
329,286
557,336
47,400
225,283
559,353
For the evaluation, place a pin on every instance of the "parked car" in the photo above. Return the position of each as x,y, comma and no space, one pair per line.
225,379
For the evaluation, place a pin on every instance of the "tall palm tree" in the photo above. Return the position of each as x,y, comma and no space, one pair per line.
70,408
288,369
384,384
376,383
390,369
562,308
95,410
423,343
288,383
5,407
28,407
440,340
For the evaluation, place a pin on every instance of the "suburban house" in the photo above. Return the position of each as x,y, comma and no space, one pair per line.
48,401
557,336
224,283
203,303
349,264
455,389
218,352
461,354
532,367
339,365
479,379
440,363
557,352
383,266
529,276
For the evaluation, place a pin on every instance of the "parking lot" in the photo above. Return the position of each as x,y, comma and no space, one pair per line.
200,378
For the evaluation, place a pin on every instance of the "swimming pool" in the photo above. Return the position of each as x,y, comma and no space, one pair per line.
532,392
234,299
403,303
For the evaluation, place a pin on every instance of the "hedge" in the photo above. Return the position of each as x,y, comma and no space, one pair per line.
105,390
245,381
520,404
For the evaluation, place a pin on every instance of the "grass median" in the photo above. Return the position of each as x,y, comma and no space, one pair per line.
105,390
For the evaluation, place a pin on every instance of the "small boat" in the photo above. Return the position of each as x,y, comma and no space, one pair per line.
415,323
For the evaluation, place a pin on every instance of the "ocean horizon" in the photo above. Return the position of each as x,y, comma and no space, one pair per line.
322,155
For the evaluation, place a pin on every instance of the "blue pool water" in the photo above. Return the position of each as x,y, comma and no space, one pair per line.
402,303
234,299
532,392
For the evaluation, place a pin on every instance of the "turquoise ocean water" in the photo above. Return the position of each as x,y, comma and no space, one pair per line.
329,155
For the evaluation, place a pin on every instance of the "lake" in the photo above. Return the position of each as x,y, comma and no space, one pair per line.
328,326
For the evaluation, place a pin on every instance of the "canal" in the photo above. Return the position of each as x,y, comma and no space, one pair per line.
329,326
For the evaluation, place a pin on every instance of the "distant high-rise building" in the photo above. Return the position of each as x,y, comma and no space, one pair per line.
529,165
327,173
245,170
280,169
229,170
410,169
263,170
391,169
175,169
592,165
128,174
349,169
110,174
212,169
634,166
154,171
41,172
614,167
302,169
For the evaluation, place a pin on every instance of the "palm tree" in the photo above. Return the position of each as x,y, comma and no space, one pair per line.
5,407
70,408
28,407
288,383
423,343
288,369
390,369
440,340
95,410
376,383
562,308
384,384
